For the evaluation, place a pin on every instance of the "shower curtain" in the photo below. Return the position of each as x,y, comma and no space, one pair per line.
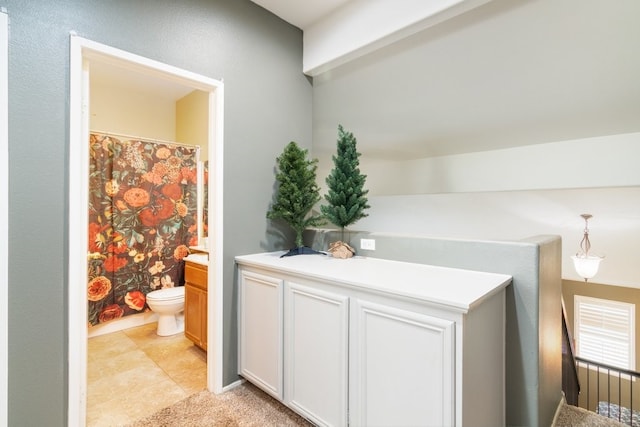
142,219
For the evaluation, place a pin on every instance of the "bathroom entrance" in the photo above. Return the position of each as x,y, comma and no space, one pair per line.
154,93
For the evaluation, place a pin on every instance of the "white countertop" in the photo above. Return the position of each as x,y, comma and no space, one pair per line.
455,288
200,248
198,258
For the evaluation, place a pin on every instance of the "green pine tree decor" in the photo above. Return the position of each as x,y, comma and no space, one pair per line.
297,192
346,196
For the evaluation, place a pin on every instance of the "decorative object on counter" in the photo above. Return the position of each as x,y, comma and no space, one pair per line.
346,196
341,250
296,194
586,264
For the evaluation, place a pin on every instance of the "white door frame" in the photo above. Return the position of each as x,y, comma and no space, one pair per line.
4,216
82,52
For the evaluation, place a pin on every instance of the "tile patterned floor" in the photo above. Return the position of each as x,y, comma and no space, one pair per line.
134,373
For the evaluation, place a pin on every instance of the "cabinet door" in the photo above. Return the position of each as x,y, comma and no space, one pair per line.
401,367
194,314
316,354
260,321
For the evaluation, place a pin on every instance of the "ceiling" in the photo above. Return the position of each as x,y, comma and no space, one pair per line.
301,13
109,75
505,74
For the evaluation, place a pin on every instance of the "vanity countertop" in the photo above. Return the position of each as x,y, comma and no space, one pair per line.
198,258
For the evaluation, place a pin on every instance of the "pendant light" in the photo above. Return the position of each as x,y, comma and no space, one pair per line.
586,264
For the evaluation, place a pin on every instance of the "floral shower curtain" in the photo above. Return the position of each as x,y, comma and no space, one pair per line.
142,218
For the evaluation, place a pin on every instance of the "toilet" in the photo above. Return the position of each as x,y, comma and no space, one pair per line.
168,303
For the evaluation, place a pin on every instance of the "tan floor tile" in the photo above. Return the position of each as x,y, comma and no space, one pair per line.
189,371
194,383
125,383
128,381
151,398
166,349
99,369
104,416
109,345
126,407
184,362
143,332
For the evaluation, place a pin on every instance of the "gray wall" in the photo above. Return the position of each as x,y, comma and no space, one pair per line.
267,104
533,329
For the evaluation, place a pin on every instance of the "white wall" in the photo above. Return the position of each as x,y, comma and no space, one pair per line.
192,121
606,161
514,215
515,193
127,112
549,78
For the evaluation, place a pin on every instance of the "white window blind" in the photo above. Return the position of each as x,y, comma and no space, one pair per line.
605,331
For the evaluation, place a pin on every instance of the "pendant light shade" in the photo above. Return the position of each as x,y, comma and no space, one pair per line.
586,264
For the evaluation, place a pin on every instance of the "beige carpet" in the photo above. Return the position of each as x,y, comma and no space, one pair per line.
572,416
246,406
243,406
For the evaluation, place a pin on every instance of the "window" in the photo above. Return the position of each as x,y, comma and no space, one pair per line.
605,331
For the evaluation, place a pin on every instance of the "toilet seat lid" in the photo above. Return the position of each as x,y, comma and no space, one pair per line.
167,293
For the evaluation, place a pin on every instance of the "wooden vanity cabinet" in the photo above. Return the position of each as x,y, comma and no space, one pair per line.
195,303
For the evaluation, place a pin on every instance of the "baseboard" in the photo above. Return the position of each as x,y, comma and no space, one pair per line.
233,385
122,324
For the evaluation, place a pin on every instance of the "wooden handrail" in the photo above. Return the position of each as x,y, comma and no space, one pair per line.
570,379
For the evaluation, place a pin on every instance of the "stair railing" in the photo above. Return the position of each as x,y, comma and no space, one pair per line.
610,391
570,378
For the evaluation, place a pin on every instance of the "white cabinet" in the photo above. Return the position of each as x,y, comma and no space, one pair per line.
261,331
316,354
368,342
402,367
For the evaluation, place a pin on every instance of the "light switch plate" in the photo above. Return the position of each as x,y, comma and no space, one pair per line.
368,244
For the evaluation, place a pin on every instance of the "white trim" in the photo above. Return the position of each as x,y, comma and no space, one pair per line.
82,53
233,385
78,201
215,299
4,216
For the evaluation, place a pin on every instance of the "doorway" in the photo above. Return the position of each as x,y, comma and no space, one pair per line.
85,53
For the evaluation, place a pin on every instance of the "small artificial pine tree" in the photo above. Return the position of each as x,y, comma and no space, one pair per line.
297,192
346,196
